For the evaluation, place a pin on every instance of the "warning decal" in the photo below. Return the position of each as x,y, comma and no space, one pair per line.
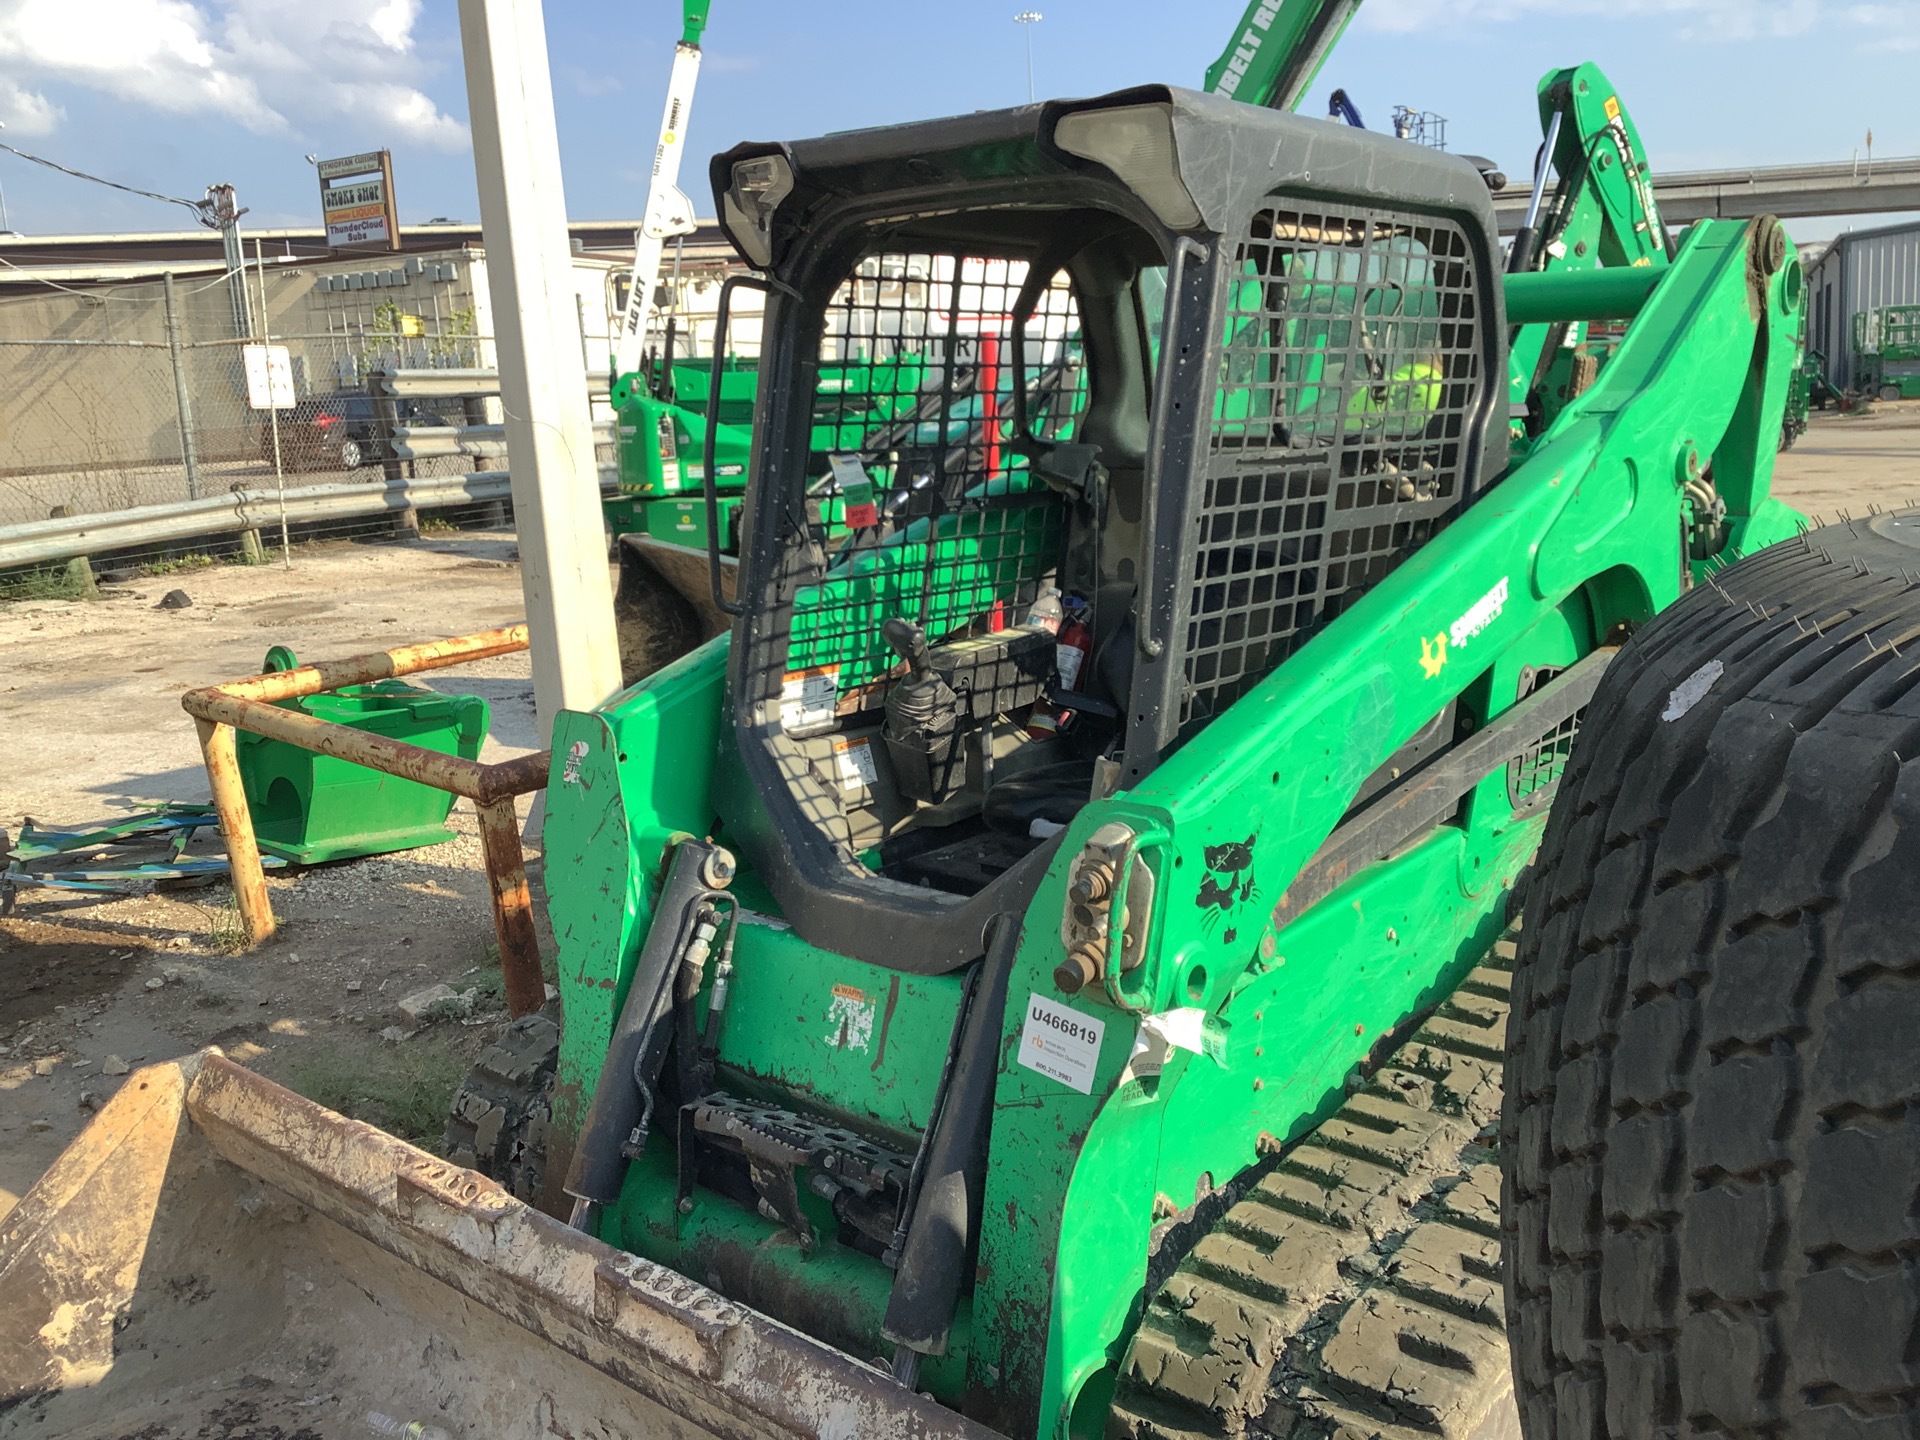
808,698
853,764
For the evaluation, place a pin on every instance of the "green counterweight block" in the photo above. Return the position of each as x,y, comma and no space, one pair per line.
311,808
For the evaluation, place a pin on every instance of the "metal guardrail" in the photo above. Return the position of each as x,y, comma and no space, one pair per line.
252,704
38,542
249,506
481,442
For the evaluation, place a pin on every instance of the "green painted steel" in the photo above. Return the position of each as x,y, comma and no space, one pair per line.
1543,297
1277,49
312,808
628,780
693,20
661,431
1886,345
1579,541
1579,538
1602,212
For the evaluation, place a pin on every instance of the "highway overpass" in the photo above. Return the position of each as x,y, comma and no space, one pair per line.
1847,188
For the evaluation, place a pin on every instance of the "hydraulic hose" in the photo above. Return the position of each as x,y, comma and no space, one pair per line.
620,1113
946,1213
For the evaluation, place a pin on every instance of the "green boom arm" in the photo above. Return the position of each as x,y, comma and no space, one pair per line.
1277,49
693,20
1580,538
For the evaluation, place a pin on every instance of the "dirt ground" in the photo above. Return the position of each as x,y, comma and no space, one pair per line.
89,700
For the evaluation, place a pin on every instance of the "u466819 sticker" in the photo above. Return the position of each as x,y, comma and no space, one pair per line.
1061,1043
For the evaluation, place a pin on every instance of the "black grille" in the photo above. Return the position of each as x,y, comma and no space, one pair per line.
1532,774
1338,442
916,384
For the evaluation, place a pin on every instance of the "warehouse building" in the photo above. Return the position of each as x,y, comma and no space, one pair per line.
1862,270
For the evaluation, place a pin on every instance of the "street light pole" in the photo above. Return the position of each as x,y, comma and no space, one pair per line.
1026,20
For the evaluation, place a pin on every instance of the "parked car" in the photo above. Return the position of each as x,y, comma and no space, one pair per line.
337,432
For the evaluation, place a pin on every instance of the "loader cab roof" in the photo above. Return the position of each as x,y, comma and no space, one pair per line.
1194,164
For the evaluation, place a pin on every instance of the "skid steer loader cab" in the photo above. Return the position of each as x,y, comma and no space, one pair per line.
1200,400
939,945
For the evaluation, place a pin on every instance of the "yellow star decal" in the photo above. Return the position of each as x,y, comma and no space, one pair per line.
1433,654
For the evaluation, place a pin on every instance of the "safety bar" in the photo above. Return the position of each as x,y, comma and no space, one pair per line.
251,704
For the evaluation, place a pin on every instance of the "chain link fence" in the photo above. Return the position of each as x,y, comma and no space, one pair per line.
136,395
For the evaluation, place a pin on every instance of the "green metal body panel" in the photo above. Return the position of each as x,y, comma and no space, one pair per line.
841,1294
693,20
1277,50
1603,214
312,808
837,1043
661,443
1581,537
628,780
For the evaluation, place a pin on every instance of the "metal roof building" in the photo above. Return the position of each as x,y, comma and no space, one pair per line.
1861,270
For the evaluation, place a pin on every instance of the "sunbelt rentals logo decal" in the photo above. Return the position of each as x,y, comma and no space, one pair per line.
1462,632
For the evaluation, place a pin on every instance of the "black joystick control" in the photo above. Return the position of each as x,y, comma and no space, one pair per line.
923,714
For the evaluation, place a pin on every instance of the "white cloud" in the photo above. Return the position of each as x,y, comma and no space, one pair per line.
24,112
274,66
1692,19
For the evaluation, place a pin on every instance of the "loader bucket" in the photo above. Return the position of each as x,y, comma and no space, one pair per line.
216,1255
664,607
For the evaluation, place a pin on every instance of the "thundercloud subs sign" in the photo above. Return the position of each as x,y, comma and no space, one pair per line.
356,202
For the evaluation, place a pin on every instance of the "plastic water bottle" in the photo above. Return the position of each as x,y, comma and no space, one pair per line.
1046,612
405,1429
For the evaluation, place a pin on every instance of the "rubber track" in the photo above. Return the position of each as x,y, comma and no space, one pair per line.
1355,1289
1710,1127
497,1123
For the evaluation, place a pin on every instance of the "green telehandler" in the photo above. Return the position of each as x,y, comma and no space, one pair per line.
1048,969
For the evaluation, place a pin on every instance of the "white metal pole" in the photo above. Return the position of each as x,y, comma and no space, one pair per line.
273,410
543,384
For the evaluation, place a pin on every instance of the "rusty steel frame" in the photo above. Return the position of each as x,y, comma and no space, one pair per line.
251,704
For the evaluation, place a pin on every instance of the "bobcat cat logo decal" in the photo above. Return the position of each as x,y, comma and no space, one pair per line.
1228,883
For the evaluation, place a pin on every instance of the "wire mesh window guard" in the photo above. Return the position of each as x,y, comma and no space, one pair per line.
922,507
1339,429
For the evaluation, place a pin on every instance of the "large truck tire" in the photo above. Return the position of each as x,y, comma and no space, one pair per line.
1709,1149
498,1122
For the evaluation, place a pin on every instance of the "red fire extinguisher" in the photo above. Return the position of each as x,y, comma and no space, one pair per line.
1072,645
1071,648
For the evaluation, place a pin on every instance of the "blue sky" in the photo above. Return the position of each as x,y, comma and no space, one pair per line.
172,95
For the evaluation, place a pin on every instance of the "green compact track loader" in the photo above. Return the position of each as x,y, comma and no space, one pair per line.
1090,1038
1050,969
